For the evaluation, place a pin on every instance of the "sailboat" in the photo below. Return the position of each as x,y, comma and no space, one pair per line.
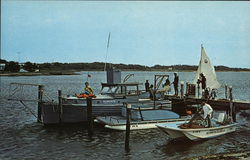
206,67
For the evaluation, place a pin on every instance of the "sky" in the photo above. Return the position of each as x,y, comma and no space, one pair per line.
142,32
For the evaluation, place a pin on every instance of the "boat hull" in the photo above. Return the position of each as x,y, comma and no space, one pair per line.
76,113
138,126
196,134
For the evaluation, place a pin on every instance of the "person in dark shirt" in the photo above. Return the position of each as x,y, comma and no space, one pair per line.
202,80
147,86
176,81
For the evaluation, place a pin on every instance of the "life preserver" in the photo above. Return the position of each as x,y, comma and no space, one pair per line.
84,95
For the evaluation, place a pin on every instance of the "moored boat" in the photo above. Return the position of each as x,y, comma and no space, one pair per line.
197,130
141,118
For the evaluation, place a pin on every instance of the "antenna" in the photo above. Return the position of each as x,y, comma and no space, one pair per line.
105,66
18,53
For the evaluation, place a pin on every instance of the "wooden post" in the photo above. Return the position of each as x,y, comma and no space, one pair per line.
182,88
226,93
60,106
89,116
232,108
154,92
187,88
128,127
40,101
198,90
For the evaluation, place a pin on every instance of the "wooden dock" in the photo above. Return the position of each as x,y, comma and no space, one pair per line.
217,104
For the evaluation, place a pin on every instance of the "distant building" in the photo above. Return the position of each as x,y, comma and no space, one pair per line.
170,69
23,70
2,66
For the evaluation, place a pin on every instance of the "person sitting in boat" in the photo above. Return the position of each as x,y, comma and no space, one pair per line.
88,90
165,89
151,92
207,112
166,85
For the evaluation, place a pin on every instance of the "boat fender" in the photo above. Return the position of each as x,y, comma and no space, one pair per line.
189,112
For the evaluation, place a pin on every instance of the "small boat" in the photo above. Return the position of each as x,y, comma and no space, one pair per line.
140,119
198,132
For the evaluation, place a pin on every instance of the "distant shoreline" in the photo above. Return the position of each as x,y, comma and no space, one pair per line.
38,73
53,73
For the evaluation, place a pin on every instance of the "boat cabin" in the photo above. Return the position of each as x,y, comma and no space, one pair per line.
120,90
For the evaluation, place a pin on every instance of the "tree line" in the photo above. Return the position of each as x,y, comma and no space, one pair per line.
12,66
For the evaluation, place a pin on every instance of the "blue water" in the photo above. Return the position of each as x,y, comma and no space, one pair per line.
23,138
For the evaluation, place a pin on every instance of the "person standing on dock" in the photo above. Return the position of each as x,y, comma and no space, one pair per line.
207,112
176,81
202,80
147,86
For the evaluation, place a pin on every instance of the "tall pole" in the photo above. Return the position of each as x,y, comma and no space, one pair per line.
128,127
105,66
154,92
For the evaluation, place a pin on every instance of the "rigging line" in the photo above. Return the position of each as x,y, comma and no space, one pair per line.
49,98
26,107
105,66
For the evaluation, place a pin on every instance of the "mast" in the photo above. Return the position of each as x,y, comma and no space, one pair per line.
105,66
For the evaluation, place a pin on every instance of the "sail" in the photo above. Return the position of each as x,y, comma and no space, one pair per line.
206,67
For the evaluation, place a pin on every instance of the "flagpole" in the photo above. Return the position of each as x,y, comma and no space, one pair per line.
107,52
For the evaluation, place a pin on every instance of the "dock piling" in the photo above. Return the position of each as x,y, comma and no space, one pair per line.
232,108
128,127
226,93
198,89
60,109
89,116
39,105
187,88
182,89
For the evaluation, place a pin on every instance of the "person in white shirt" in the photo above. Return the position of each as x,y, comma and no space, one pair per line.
207,112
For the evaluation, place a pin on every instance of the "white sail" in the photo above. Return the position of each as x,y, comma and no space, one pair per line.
206,67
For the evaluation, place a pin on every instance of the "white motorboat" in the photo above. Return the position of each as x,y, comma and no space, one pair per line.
174,130
141,118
